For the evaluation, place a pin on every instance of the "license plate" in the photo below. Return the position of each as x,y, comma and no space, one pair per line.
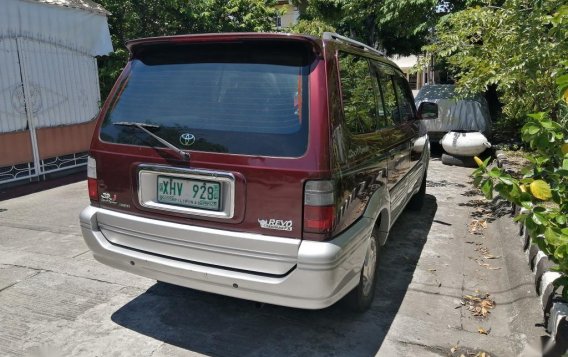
189,193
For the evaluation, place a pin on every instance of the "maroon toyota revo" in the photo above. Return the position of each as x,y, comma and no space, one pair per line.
268,167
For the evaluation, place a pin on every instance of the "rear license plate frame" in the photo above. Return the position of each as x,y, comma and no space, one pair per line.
186,202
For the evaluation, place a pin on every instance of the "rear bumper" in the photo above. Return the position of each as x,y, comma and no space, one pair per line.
323,274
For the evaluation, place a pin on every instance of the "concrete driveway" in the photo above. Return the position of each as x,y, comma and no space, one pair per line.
56,300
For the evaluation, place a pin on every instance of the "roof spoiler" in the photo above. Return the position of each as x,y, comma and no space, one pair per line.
133,45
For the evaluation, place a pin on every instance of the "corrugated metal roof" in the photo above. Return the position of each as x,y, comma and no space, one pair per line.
84,31
87,5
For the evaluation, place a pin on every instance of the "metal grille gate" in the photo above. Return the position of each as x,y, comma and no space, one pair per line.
48,97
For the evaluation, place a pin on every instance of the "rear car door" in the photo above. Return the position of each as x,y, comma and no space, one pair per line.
240,107
413,130
360,157
398,133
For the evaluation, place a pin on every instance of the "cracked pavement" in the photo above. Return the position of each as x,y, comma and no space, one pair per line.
56,300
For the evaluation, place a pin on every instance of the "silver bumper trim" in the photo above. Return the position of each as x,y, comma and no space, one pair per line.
324,273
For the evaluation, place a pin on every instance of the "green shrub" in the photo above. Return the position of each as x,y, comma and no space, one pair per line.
543,189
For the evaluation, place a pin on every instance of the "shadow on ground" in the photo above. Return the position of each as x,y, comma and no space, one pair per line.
222,326
24,188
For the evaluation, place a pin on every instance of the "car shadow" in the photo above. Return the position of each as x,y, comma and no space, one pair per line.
222,326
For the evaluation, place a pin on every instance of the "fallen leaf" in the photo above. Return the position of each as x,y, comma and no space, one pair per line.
482,331
485,265
479,305
473,298
487,303
431,269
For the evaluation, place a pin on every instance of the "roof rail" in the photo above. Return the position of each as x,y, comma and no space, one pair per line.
348,41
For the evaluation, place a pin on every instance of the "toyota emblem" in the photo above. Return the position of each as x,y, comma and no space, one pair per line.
187,139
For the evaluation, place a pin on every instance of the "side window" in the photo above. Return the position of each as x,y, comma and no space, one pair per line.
358,94
391,113
405,100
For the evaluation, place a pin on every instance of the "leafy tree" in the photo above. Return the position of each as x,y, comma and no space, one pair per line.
517,46
311,27
132,19
395,26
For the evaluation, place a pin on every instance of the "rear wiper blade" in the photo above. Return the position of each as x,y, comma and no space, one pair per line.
142,126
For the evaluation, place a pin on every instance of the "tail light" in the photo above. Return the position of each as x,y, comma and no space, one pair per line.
92,179
319,209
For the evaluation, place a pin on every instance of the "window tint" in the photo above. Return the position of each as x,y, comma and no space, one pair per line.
236,98
358,93
384,76
404,97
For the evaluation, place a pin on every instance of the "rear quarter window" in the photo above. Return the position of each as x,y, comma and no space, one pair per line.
358,93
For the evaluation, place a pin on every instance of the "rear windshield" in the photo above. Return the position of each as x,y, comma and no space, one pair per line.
238,98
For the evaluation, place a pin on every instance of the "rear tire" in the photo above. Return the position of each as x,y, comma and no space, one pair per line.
360,298
417,201
453,160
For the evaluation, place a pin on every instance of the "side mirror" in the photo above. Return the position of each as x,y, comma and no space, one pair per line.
428,110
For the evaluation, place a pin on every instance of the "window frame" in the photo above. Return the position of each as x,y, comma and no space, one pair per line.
394,76
378,69
406,91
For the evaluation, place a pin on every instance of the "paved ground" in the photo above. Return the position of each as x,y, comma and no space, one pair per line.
56,300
